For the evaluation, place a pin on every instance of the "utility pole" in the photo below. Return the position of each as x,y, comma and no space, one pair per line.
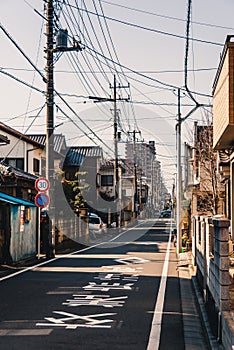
50,50
116,165
116,162
134,132
179,167
179,179
50,124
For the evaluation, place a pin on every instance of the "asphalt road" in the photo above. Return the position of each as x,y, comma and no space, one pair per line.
121,294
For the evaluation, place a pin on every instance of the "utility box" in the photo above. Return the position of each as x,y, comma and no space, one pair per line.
61,38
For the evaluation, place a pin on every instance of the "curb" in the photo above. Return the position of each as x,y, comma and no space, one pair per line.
214,345
187,261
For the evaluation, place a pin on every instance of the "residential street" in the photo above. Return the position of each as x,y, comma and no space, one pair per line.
121,294
117,175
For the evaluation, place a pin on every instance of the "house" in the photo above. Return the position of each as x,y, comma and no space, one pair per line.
110,199
28,153
24,157
213,193
77,191
223,110
208,190
82,164
60,150
21,152
18,216
203,191
89,157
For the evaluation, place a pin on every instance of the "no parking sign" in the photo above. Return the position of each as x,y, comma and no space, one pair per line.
42,200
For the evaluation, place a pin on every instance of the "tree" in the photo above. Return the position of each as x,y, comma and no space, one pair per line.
209,189
76,191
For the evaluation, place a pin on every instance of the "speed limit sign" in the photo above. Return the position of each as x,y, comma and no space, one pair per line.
42,184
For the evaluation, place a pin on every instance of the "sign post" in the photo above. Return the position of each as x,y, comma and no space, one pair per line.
42,200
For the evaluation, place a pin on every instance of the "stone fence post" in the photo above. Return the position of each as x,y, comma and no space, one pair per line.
219,277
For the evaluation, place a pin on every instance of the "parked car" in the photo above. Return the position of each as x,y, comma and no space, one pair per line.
95,224
165,213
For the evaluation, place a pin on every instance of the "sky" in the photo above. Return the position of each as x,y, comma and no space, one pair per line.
142,43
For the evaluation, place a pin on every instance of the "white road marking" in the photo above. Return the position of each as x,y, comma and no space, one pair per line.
95,300
92,269
155,332
106,287
89,321
132,260
123,269
116,276
25,332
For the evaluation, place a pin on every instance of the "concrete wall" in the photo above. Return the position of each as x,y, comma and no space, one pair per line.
211,248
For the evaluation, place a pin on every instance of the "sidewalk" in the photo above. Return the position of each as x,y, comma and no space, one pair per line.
197,333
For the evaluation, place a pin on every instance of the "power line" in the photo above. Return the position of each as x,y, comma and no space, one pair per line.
22,52
98,41
59,95
168,86
98,72
22,82
165,16
154,30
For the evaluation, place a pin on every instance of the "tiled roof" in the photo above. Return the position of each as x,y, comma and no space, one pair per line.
75,155
9,170
22,174
59,141
108,164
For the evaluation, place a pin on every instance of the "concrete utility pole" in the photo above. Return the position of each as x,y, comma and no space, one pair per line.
134,132
116,162
179,179
50,50
50,123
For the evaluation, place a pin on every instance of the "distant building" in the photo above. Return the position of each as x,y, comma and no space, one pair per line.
143,156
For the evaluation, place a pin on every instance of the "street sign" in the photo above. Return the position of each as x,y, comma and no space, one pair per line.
42,200
42,184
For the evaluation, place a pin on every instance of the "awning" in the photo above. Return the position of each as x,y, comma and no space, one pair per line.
15,201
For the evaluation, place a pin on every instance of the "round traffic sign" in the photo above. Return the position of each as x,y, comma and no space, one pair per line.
42,184
42,200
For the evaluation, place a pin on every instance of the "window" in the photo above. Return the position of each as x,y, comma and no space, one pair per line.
36,165
107,180
15,162
94,220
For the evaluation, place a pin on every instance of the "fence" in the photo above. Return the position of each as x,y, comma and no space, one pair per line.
210,247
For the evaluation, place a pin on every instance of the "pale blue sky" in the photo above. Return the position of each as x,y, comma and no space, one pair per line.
158,56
